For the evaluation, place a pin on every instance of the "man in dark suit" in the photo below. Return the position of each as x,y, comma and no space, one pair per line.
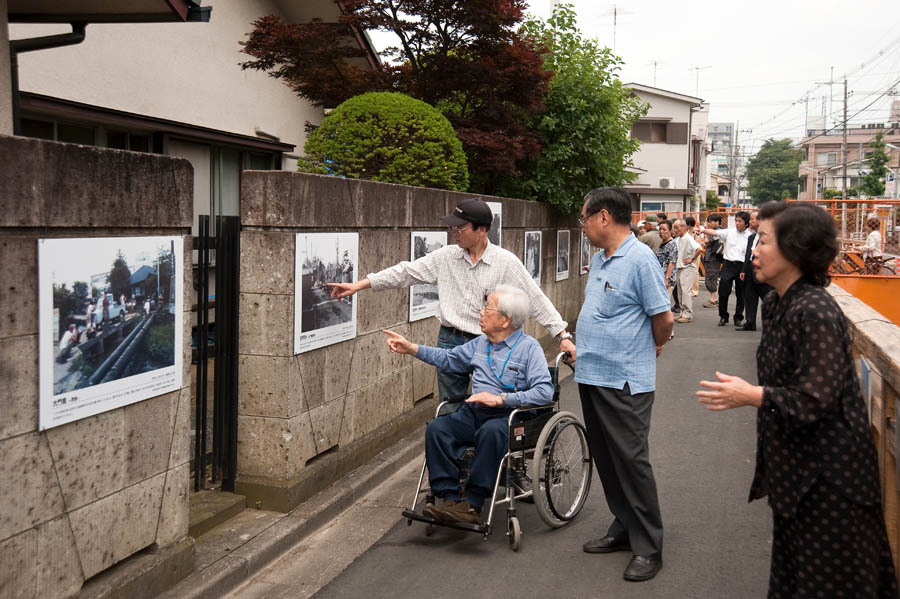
753,289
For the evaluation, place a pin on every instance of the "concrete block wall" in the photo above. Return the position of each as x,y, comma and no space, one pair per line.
81,497
304,420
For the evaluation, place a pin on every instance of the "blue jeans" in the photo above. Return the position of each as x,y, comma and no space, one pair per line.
451,384
446,440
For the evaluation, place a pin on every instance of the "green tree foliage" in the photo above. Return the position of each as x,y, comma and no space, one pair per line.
67,302
712,200
585,129
80,288
468,54
119,276
872,183
390,137
773,172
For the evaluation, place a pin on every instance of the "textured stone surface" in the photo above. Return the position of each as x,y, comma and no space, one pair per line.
380,205
148,428
267,262
514,241
50,184
18,282
270,386
369,357
387,307
109,530
380,402
173,514
266,324
424,381
30,493
337,369
181,436
17,558
274,448
89,456
19,385
58,566
311,373
427,207
325,422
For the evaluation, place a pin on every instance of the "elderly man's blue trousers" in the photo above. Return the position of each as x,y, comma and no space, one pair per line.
446,440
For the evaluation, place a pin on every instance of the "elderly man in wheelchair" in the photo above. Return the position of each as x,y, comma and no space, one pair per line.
508,370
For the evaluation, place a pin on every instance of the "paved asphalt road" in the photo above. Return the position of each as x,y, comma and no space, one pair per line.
716,544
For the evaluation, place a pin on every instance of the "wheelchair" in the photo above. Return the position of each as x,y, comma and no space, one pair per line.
556,443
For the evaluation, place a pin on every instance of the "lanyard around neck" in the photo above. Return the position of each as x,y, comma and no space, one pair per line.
503,368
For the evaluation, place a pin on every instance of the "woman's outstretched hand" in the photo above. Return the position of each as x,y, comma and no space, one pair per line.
729,392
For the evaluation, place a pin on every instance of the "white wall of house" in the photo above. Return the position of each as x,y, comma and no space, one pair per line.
662,159
6,125
185,72
700,130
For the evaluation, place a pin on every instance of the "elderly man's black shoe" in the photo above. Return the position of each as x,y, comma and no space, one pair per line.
607,544
642,568
723,322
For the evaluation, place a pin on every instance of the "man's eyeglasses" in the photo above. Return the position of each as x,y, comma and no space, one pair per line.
584,219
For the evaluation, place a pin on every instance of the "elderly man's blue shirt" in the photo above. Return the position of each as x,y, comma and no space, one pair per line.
526,369
614,338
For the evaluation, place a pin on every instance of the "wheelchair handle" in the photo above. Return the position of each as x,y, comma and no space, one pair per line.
563,357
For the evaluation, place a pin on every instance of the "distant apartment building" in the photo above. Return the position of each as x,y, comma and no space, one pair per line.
671,162
823,164
721,143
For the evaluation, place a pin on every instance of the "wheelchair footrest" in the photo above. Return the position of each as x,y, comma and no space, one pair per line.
481,528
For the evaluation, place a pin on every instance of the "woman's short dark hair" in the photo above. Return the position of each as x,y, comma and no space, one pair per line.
715,218
689,221
806,237
614,200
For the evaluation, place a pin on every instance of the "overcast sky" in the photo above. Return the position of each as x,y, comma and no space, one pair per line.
759,59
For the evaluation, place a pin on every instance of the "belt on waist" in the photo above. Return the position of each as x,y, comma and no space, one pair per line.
455,331
734,261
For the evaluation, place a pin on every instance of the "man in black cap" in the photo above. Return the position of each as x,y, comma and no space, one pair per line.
465,274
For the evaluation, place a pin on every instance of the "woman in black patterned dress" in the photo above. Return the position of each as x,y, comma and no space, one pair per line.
815,457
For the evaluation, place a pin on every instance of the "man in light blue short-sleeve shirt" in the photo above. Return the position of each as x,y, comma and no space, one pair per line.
622,326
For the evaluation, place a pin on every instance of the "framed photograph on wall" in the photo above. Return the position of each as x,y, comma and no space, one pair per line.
319,259
533,255
586,254
110,323
423,299
495,235
562,255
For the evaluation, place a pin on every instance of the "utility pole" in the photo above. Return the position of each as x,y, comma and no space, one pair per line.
732,171
654,63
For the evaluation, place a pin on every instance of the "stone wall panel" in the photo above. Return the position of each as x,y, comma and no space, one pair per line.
275,448
18,555
427,208
266,324
336,375
18,283
381,206
368,361
325,421
90,457
19,384
173,518
58,566
311,372
327,203
109,530
181,437
264,388
267,262
148,427
31,494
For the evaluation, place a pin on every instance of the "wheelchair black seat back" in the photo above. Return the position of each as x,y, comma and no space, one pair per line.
554,441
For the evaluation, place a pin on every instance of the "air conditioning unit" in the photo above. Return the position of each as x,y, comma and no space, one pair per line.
666,182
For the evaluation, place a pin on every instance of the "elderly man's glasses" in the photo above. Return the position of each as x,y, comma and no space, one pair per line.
584,219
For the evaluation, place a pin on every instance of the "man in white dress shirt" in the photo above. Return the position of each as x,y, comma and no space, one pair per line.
735,250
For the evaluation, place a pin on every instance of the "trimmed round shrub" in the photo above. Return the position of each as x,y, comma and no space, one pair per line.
389,137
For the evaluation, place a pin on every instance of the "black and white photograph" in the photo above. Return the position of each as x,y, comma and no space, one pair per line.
562,255
323,258
423,299
586,254
110,316
533,255
495,235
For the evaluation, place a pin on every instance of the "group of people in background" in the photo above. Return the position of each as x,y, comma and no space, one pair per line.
726,253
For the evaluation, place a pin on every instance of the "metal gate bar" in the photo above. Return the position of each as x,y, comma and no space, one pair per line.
203,243
225,389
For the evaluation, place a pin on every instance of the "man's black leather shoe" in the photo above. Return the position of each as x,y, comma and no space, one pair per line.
642,568
747,327
723,322
606,544
738,322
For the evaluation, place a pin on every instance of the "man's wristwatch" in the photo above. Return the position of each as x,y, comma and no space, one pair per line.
502,399
564,335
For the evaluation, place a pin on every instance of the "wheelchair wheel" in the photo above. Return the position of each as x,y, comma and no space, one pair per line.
563,470
513,532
